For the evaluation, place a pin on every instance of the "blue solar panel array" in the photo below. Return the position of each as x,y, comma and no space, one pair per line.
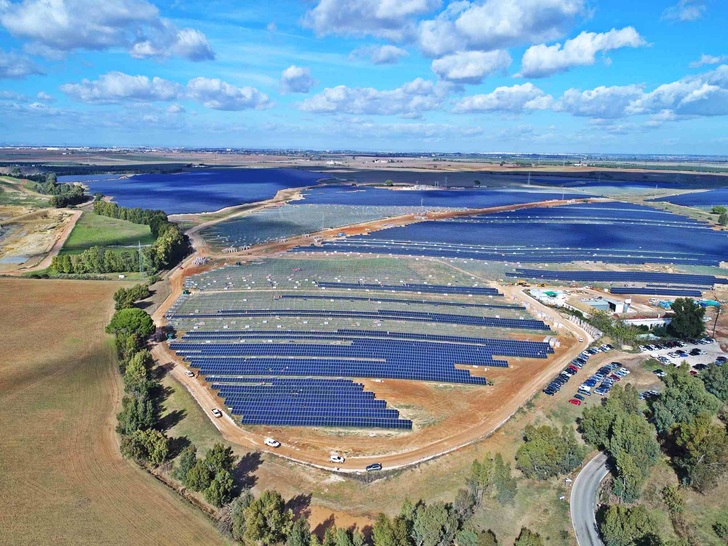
606,232
306,402
658,291
619,276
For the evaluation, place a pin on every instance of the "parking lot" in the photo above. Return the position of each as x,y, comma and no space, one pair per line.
671,355
592,375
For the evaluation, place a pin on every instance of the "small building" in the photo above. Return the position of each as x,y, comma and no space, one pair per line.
610,305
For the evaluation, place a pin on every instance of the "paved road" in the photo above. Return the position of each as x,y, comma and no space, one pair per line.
584,501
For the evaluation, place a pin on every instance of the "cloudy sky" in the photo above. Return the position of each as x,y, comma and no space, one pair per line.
632,76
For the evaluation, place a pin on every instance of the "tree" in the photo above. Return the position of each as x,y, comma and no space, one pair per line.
136,414
187,460
267,520
683,399
469,537
131,322
149,446
702,451
220,458
723,219
126,297
300,534
630,478
528,538
237,516
386,532
199,477
623,526
435,524
137,378
715,379
687,321
220,490
719,209
547,452
389,183
506,485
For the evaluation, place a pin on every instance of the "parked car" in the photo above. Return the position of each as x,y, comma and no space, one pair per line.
188,373
575,402
579,397
270,442
337,459
216,412
373,467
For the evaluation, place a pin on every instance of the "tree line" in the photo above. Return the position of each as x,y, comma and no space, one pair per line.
62,195
169,247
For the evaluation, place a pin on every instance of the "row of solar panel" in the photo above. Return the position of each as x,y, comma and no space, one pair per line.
398,300
626,257
329,421
409,287
435,343
444,318
658,292
220,366
618,276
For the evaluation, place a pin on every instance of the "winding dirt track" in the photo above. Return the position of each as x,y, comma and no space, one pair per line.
232,432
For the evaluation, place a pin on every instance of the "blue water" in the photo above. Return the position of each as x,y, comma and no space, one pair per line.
198,190
699,199
480,198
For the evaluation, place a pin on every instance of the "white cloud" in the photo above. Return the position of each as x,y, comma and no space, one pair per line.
54,27
701,95
14,65
392,19
708,60
601,102
409,100
542,60
176,109
188,43
118,87
497,24
385,54
219,95
471,66
296,79
45,97
515,99
685,10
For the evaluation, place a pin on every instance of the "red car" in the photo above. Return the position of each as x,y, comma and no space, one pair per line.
615,377
573,368
575,402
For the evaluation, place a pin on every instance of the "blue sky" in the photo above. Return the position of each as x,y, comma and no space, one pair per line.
613,76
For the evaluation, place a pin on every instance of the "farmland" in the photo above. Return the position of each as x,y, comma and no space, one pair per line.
62,479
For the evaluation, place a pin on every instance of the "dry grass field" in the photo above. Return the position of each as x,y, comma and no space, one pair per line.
62,480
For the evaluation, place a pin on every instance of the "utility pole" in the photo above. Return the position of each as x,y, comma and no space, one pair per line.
141,261
715,323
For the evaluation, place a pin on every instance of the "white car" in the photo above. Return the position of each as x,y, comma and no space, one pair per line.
270,442
189,373
337,459
216,412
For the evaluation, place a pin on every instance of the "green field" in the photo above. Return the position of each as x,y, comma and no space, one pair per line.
96,230
11,193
